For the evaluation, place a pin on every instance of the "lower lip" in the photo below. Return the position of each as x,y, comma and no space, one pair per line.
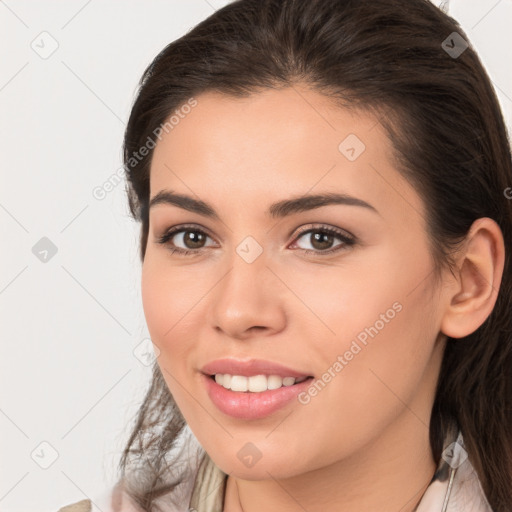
251,406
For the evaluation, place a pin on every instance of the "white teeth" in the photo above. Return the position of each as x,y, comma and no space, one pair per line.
288,381
255,383
226,381
239,383
274,382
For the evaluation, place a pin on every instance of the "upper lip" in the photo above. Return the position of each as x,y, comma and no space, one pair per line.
250,367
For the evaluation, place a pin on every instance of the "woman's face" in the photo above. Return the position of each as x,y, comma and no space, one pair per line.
354,308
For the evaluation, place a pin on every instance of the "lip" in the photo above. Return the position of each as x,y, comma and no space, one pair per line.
250,367
248,405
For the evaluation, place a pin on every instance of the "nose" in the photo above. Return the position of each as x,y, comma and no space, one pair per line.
248,301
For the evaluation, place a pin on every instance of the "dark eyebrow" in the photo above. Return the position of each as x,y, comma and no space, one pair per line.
276,210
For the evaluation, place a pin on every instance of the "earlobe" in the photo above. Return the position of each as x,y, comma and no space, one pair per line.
473,295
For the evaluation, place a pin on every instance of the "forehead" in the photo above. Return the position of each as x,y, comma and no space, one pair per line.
271,124
277,142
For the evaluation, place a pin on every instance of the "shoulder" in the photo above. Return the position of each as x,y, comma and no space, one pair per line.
78,506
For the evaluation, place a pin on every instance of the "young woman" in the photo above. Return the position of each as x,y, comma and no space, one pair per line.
324,191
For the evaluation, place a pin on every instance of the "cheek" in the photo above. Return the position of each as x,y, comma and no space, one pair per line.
171,305
169,298
384,328
165,320
385,323
155,302
341,300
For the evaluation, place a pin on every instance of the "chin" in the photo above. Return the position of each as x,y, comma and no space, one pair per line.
263,469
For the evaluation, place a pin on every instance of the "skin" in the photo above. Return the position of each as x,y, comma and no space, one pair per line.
362,442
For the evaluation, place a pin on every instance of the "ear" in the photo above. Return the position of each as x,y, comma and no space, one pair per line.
472,296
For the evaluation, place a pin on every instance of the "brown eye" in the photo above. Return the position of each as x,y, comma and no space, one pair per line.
191,239
321,239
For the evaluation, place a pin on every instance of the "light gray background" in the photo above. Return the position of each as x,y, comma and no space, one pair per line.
72,363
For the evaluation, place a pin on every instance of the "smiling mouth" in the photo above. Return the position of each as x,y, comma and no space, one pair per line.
252,397
255,383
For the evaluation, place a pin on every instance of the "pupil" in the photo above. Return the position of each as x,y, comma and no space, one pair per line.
194,238
319,237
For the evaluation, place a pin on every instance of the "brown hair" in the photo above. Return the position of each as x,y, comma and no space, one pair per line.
450,141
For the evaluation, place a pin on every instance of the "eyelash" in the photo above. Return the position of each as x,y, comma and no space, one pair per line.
348,241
